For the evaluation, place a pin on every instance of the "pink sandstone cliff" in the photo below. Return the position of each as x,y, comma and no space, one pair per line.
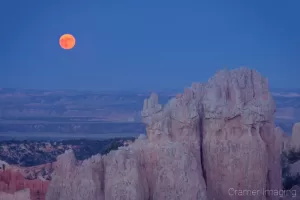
12,185
211,138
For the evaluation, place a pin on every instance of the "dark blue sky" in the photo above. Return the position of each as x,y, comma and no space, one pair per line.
146,44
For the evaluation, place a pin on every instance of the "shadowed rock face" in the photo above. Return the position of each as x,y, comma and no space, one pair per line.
211,138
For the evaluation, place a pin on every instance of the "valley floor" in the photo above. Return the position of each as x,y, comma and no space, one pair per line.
60,136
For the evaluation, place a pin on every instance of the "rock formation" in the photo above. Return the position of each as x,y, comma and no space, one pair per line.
204,143
11,182
4,165
42,172
19,195
239,145
283,138
294,140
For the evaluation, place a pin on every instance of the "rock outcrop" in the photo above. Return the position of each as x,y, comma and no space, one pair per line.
294,140
238,135
4,165
76,182
19,195
283,139
42,172
213,139
11,182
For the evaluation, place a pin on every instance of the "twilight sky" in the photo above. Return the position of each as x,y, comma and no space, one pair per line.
142,44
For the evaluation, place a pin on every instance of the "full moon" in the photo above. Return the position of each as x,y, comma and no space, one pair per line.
67,41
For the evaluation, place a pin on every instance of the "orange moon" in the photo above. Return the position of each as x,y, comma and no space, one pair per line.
67,41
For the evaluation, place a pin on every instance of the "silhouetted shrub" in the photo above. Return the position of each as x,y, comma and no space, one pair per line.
293,156
287,159
112,146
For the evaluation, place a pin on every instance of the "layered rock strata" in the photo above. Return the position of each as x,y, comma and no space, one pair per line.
11,182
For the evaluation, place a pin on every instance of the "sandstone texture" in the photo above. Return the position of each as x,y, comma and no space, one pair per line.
212,139
19,195
239,144
12,184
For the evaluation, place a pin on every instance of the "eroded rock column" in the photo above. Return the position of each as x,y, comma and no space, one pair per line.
238,136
